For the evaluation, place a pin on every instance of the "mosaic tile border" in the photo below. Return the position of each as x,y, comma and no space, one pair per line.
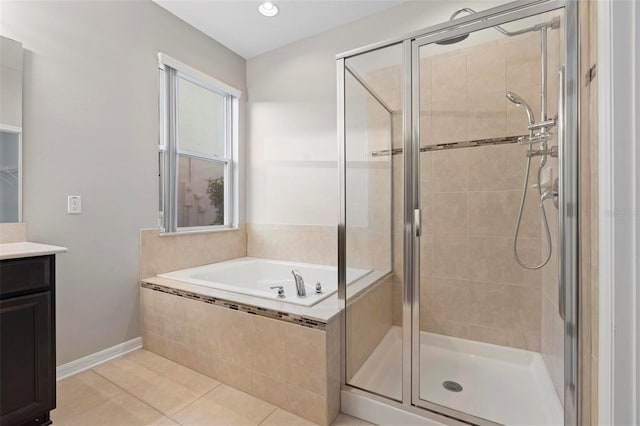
253,310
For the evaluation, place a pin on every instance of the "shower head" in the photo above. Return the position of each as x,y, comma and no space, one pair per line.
553,24
459,38
521,102
452,40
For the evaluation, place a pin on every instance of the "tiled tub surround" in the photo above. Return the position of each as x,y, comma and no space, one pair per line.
294,367
13,232
369,318
170,252
294,243
367,247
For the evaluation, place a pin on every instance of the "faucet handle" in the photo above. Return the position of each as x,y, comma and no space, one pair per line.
280,291
318,288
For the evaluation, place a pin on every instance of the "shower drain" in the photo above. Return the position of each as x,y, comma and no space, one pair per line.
452,386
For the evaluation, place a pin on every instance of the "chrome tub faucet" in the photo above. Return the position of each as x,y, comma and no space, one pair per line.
302,292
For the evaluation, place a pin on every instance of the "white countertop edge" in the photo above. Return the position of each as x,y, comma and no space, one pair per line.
28,249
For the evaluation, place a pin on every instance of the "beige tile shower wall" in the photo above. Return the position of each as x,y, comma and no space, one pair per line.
13,232
471,285
164,253
462,92
291,366
369,318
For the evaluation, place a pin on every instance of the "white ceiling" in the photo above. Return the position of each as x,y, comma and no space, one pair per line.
238,25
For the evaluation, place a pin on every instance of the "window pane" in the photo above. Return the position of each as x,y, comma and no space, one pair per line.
200,120
9,177
201,192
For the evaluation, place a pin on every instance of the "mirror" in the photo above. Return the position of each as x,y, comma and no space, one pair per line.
10,130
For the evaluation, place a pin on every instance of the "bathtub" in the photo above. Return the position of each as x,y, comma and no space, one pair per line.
254,277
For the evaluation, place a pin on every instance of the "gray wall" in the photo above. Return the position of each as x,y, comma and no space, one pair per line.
90,129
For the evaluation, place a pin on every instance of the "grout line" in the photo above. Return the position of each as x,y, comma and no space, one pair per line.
148,405
138,384
79,413
174,420
200,397
142,365
91,406
268,415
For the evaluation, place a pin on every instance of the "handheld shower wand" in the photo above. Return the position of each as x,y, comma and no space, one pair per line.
521,102
543,160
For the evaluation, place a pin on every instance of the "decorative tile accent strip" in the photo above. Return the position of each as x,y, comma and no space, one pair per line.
254,310
452,145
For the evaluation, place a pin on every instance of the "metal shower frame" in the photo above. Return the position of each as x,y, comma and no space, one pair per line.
568,198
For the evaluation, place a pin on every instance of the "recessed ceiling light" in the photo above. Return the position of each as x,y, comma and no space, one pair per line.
268,9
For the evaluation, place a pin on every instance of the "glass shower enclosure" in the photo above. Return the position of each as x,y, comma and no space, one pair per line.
458,161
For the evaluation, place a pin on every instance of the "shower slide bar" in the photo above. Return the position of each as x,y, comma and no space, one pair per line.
452,145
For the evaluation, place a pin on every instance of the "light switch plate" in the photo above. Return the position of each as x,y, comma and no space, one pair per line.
74,204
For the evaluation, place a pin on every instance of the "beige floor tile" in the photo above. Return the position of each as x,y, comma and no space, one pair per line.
124,372
281,417
346,420
251,407
81,392
122,410
164,395
206,412
150,360
190,379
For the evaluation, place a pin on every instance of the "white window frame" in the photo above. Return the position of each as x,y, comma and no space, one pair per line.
170,70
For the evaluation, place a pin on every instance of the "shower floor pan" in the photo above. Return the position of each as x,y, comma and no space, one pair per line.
501,384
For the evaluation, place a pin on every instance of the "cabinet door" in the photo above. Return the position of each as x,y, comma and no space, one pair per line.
26,345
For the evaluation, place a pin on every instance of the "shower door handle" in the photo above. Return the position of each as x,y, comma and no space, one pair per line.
417,221
560,189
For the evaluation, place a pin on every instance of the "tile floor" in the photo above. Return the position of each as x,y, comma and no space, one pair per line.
142,388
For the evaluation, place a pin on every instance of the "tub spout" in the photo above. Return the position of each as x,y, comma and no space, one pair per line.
299,283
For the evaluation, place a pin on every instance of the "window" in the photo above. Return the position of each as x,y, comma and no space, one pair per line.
198,149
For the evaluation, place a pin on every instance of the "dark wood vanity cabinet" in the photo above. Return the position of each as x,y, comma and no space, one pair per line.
27,340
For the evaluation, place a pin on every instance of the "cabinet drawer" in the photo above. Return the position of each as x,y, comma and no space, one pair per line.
26,275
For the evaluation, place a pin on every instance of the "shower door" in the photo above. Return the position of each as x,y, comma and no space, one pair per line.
450,142
488,313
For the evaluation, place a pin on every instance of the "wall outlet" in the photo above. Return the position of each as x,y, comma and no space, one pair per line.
74,204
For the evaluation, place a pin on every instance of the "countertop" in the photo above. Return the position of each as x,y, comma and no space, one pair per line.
28,249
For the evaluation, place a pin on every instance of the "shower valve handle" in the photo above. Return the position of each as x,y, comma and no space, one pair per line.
550,193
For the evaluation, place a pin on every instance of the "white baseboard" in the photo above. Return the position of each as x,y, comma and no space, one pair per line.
89,361
380,413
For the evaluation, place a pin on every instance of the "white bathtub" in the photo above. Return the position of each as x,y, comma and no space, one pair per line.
253,276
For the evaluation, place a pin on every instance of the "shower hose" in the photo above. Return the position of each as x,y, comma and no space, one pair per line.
543,161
